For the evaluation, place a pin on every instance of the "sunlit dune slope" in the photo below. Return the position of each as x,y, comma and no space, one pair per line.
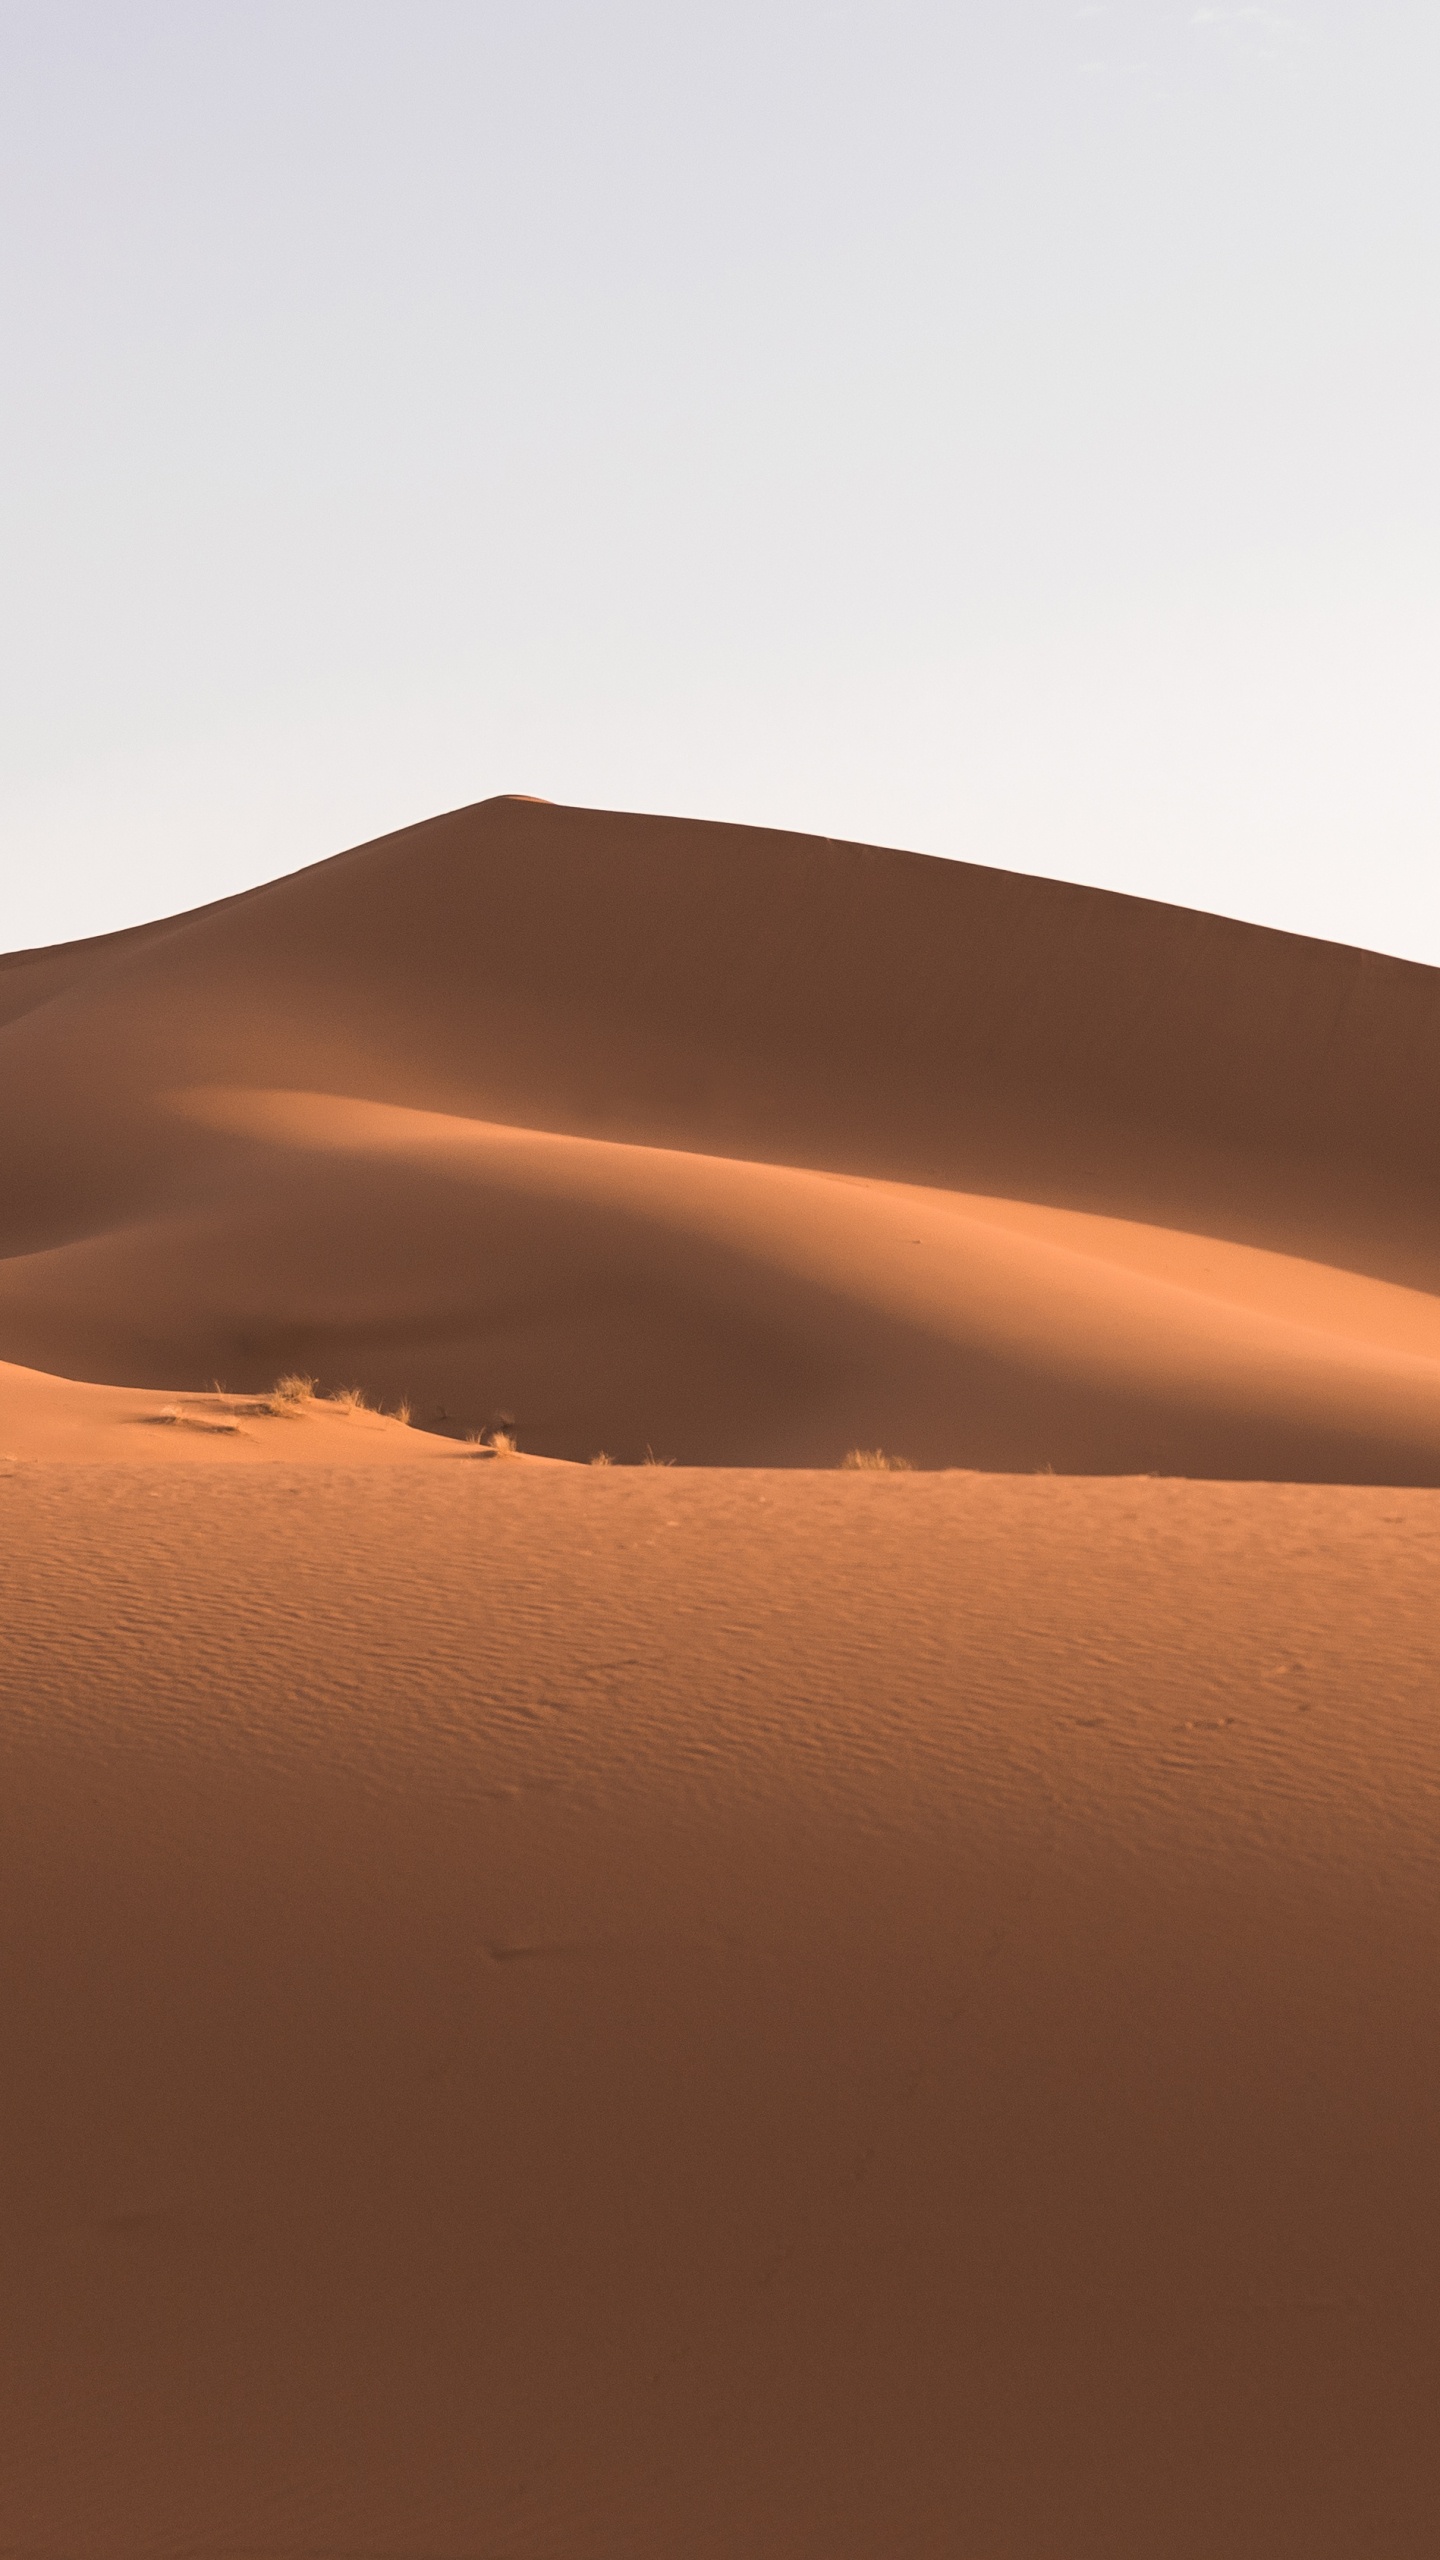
743,1146
65,1422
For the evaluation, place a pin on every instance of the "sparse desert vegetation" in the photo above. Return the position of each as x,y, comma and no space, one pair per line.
877,1462
174,1417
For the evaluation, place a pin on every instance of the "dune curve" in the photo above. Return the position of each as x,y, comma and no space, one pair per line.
747,1148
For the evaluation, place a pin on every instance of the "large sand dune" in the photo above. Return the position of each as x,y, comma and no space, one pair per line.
743,1147
637,2012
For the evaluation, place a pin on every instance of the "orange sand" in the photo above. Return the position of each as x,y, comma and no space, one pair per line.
603,2014
744,1147
641,2012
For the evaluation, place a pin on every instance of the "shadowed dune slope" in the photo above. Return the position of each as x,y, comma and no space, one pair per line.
745,1146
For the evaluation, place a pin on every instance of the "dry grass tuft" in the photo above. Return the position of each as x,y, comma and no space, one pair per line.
877,1461
349,1399
503,1444
650,1459
404,1410
602,1458
292,1390
173,1419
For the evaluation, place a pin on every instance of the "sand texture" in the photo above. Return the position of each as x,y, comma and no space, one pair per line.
666,2012
638,2012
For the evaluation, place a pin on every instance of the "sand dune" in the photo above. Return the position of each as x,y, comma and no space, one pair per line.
746,1148
607,2013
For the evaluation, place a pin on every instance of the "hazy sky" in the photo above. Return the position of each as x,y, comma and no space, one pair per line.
1008,430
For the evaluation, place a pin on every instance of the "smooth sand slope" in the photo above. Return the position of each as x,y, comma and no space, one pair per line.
609,2015
745,1147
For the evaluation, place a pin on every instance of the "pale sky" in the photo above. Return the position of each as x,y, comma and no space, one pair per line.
1006,430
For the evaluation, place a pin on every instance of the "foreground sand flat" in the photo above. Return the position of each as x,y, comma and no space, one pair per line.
628,2012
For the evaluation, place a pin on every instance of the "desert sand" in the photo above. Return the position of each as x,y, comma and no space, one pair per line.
746,1148
741,2005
